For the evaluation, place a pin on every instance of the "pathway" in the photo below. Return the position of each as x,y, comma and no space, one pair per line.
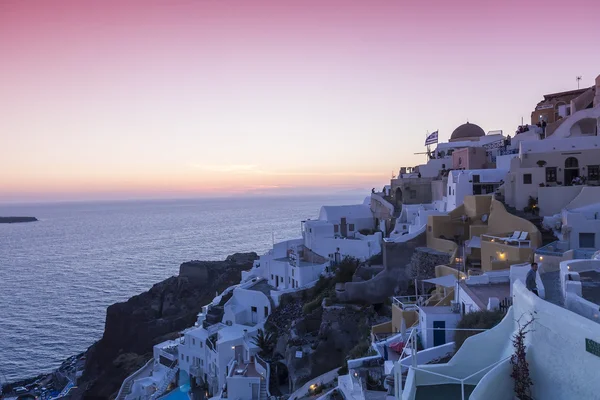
551,282
325,378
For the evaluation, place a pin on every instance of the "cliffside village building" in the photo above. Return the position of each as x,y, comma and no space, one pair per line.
487,204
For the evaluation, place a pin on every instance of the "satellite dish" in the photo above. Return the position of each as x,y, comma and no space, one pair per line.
484,217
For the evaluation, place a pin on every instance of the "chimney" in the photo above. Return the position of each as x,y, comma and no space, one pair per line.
597,96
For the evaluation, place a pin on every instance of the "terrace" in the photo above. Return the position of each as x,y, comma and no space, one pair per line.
513,239
561,248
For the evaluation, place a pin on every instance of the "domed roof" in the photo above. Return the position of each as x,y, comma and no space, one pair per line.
467,131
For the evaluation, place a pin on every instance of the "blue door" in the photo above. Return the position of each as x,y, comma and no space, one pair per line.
439,333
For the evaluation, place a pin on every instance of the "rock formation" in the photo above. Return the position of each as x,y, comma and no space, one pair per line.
134,326
14,220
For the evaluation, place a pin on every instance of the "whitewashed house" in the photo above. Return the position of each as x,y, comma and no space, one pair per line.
250,304
248,376
463,183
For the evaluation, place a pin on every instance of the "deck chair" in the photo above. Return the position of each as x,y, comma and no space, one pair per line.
523,236
515,236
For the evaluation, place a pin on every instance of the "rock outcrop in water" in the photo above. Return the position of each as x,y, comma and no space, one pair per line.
15,220
133,327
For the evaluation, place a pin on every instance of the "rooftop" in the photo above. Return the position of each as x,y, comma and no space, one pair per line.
569,93
246,370
436,309
482,293
263,287
590,286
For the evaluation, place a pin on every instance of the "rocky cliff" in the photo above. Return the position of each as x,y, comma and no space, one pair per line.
133,327
14,220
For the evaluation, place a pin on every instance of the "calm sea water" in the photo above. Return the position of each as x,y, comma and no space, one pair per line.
58,275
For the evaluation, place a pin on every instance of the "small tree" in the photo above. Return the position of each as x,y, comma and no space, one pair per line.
265,342
520,366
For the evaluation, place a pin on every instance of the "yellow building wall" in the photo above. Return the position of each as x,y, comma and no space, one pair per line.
501,221
498,256
410,317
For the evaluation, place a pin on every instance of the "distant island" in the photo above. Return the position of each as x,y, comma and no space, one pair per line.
15,220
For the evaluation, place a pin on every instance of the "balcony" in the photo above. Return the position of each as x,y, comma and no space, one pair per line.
559,248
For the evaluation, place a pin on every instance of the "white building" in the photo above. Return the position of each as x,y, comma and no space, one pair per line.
250,304
413,221
563,352
248,375
463,183
206,352
545,169
580,287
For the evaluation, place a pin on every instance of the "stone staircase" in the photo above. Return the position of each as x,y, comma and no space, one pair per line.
165,383
263,390
125,390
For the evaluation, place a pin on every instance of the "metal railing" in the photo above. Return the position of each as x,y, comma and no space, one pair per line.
410,302
125,387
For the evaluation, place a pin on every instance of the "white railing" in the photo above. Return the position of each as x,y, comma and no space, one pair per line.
164,384
131,378
410,302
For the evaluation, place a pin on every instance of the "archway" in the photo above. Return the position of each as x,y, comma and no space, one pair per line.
571,170
585,127
398,196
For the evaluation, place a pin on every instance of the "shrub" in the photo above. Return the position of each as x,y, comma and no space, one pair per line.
358,351
345,270
343,370
311,306
475,320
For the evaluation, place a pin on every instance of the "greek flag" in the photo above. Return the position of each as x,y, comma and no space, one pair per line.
432,138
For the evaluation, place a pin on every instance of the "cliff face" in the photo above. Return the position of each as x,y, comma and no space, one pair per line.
133,327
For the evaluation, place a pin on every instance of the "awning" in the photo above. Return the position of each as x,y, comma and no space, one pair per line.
446,281
475,242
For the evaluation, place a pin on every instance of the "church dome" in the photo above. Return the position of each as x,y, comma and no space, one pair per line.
467,132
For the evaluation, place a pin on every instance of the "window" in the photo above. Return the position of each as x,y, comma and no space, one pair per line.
253,309
527,179
193,342
449,191
571,162
266,311
550,174
272,277
293,270
459,161
476,178
182,357
593,172
201,344
336,228
281,279
289,280
351,227
187,358
587,240
202,362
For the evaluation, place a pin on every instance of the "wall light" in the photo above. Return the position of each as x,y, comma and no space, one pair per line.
541,258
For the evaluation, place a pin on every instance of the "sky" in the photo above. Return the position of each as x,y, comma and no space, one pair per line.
143,99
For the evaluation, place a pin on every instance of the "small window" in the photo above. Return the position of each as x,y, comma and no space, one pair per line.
449,191
187,358
272,277
429,228
293,270
550,174
202,362
253,309
593,172
587,240
476,178
336,228
182,357
289,280
266,311
351,227
459,160
527,179
193,342
201,344
309,230
281,278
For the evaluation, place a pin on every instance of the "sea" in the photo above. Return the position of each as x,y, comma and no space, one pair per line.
58,275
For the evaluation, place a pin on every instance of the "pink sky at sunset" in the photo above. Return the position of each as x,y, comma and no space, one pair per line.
177,98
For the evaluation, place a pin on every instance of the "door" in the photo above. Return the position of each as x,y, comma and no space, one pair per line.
439,333
254,391
254,313
344,227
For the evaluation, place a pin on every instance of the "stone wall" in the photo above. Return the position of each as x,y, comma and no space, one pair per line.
423,262
392,280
